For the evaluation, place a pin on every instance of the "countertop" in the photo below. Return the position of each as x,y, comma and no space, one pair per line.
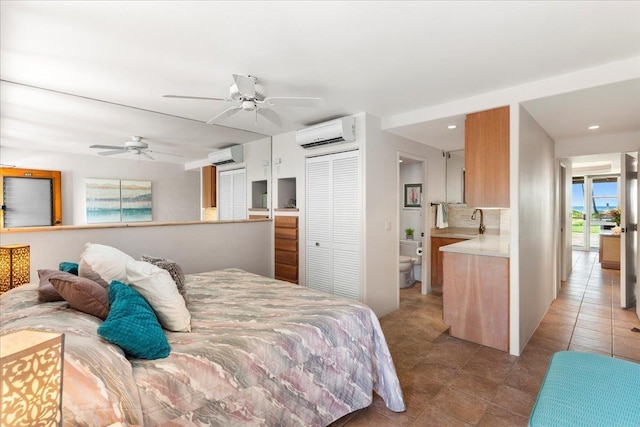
485,245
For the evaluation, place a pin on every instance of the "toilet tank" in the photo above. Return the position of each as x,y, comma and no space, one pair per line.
409,248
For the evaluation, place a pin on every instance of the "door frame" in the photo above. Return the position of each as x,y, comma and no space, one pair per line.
425,276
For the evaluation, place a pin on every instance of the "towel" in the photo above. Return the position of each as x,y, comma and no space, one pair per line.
442,219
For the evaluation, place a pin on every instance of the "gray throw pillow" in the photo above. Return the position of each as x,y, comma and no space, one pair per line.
82,294
172,267
46,291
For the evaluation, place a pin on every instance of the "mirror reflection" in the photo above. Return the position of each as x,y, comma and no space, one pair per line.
455,177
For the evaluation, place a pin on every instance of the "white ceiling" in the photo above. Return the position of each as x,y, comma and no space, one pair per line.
385,58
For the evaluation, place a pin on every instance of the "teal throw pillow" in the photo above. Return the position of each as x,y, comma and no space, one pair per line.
132,324
69,267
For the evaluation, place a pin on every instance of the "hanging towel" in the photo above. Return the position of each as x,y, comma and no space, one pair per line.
442,220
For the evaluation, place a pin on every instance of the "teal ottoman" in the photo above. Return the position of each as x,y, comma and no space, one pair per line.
585,389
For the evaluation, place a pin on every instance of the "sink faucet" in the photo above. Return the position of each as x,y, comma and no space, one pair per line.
473,217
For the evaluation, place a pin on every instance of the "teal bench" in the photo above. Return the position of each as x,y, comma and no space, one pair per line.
585,389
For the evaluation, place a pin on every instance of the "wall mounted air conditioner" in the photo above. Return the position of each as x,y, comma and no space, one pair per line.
331,132
232,154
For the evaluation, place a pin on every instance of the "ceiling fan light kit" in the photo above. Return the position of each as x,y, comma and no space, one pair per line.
243,91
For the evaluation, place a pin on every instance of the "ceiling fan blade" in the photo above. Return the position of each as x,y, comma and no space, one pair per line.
293,101
225,114
165,153
246,85
111,153
194,97
273,117
107,147
143,154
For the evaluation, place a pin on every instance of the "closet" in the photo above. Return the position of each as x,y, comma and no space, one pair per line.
333,224
232,202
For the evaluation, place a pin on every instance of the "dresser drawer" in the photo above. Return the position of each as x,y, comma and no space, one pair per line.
286,233
286,221
286,257
287,245
287,272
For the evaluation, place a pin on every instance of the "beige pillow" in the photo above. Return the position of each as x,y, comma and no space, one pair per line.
161,292
102,264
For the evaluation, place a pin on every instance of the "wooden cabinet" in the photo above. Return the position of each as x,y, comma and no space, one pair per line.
475,299
286,248
437,258
609,254
487,158
209,187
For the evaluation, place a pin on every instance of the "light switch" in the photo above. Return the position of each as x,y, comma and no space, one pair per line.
387,225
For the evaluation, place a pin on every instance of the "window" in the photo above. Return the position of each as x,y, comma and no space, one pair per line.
30,198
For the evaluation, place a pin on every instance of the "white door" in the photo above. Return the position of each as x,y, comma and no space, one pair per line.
232,195
346,225
319,272
629,224
333,224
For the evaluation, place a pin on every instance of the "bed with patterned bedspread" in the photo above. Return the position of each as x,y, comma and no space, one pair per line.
260,352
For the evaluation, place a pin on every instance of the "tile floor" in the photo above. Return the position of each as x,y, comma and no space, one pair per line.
450,382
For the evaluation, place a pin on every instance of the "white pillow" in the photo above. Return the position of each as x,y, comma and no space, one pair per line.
103,264
158,288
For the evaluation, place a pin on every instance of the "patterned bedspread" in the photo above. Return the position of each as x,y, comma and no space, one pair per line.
261,353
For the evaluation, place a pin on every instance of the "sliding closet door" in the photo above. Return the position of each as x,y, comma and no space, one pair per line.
333,224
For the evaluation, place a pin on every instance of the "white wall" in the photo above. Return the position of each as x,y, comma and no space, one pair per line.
382,199
196,247
537,221
598,144
175,192
410,217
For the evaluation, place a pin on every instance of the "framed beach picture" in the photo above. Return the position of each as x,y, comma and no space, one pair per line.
103,200
115,200
135,197
412,195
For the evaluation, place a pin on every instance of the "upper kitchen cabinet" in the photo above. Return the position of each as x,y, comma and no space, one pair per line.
487,158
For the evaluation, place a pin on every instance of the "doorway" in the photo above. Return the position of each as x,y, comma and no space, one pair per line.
595,209
412,220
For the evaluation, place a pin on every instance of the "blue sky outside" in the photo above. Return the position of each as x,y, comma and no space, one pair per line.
600,189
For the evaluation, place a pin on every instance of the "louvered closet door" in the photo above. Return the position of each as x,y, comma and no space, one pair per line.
333,224
319,274
240,194
225,195
346,225
232,203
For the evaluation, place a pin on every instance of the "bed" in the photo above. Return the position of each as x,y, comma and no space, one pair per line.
260,352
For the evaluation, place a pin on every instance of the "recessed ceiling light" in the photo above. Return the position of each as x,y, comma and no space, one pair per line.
594,127
452,127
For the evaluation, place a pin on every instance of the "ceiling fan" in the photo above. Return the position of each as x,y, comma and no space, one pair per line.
243,92
134,146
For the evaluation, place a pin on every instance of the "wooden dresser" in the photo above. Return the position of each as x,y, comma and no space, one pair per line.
286,248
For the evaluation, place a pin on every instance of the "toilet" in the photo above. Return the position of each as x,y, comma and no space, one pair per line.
409,262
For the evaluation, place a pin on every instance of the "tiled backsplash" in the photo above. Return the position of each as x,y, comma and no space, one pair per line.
460,216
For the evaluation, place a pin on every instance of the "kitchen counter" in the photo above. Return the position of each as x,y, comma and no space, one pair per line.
485,245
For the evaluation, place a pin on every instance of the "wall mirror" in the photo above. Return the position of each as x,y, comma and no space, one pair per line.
50,130
455,177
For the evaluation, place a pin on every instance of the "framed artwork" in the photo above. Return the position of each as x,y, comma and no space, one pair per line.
135,197
114,200
412,195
